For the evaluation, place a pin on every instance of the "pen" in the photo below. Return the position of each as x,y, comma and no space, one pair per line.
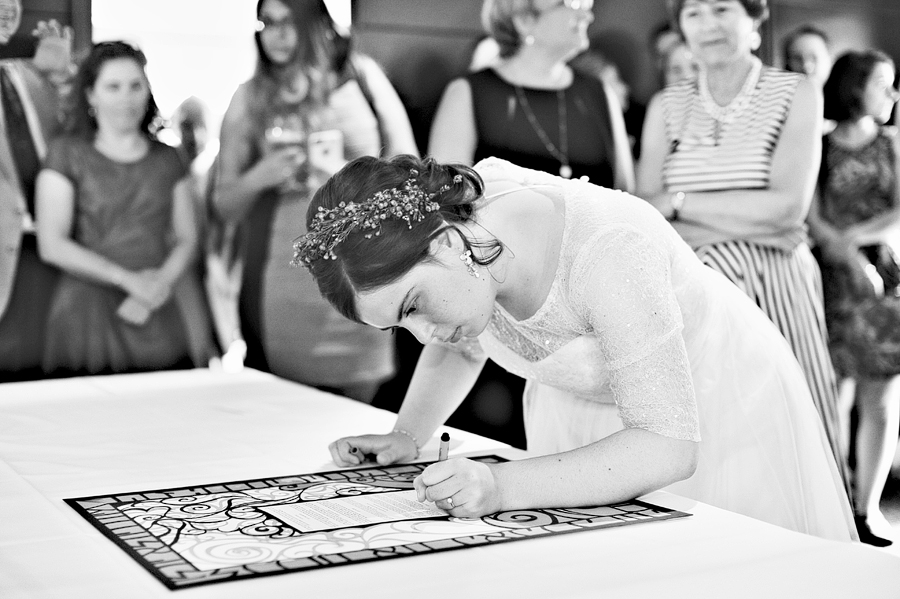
444,450
366,457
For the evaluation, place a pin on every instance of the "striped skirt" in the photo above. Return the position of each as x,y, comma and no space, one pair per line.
788,288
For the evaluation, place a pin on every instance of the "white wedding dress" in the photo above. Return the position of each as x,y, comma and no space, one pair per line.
636,332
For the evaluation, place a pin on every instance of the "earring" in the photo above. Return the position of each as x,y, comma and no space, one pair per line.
529,40
466,257
755,40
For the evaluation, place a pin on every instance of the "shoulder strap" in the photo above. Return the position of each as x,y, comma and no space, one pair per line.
823,165
358,72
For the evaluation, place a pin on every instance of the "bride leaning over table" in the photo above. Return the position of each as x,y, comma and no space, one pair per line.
590,295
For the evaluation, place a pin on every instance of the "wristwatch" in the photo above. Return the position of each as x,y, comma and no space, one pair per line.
677,201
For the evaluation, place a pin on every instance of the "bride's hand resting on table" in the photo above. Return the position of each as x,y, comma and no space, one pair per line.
465,488
387,449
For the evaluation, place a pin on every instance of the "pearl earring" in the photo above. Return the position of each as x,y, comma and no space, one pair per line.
529,40
466,257
755,40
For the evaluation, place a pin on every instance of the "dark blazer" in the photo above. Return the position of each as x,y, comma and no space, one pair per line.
38,93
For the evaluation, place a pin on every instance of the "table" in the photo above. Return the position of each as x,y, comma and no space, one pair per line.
95,435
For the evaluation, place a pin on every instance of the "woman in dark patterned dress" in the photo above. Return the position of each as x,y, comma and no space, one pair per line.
852,220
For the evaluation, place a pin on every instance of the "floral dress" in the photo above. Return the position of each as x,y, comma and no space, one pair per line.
862,311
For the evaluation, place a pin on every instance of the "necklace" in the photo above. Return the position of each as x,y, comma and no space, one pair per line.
562,152
728,114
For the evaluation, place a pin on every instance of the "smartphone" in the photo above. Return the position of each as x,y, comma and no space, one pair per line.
325,148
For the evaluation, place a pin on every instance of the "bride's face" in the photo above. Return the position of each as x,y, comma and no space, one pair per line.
436,300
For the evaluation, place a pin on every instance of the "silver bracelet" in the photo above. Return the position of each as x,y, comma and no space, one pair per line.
410,435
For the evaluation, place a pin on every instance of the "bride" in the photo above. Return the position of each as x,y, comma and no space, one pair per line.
646,369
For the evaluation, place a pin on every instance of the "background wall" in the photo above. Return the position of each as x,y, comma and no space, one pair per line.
856,25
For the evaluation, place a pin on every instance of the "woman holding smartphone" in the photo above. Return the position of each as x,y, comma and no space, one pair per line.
310,105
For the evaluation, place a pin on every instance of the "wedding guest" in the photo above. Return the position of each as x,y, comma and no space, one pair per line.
110,219
198,149
679,64
662,40
853,220
31,91
731,159
595,64
530,106
805,51
591,293
309,84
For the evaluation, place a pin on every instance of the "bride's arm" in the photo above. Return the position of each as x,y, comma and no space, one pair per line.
442,379
621,287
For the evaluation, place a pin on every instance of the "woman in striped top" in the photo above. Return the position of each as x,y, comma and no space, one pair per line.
731,160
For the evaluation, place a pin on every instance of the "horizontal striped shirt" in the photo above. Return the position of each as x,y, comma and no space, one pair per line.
705,155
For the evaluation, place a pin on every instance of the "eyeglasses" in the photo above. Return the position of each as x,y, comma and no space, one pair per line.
265,23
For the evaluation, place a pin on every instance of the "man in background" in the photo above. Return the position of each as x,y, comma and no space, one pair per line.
30,90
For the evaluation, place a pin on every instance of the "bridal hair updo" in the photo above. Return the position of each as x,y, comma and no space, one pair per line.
364,261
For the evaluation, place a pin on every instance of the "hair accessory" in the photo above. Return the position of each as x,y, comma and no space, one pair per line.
466,257
330,227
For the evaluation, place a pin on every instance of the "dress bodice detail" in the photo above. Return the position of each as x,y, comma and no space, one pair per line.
609,329
861,183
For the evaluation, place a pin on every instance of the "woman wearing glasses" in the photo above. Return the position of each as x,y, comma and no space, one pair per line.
853,218
311,104
530,107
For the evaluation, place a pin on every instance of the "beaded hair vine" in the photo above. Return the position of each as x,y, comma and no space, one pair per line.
331,226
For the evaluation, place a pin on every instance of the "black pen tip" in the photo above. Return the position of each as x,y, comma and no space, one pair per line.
445,437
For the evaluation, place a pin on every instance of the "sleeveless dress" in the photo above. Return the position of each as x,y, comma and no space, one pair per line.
290,329
857,185
635,325
504,129
779,274
123,211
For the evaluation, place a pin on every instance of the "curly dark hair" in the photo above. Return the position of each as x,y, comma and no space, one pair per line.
846,85
79,120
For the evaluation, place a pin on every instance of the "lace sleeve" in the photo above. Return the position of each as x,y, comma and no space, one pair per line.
620,282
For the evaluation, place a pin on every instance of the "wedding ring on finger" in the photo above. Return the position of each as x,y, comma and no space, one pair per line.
450,502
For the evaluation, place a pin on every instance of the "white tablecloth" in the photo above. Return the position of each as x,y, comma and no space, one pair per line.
98,435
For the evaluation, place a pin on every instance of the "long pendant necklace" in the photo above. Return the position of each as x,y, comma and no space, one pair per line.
723,115
561,153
